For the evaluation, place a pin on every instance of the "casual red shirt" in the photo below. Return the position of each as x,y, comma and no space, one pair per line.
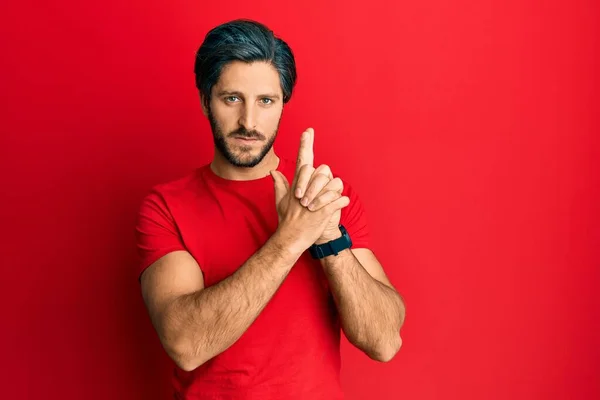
292,350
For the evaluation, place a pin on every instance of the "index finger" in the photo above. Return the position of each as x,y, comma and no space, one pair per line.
305,153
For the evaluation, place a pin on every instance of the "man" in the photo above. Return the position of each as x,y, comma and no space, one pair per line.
239,269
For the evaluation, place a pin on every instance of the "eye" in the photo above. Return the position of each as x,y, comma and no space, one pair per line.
266,100
231,99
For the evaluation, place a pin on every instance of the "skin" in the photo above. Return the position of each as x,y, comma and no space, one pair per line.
371,310
195,323
246,101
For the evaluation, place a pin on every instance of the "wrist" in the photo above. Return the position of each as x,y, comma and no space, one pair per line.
331,243
285,243
329,237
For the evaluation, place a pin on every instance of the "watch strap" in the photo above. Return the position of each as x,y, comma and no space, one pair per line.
332,247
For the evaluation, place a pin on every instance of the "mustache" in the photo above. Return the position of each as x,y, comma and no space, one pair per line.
243,132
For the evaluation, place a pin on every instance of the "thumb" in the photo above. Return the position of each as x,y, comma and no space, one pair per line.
281,186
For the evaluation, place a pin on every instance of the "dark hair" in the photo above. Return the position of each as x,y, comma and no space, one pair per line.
243,40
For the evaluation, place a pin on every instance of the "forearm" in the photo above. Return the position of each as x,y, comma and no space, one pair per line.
209,321
371,312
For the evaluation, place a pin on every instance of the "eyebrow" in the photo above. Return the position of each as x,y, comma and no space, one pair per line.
236,93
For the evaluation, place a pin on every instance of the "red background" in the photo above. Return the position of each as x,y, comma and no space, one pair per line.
469,128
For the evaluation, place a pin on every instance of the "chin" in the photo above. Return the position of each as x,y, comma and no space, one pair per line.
244,159
240,155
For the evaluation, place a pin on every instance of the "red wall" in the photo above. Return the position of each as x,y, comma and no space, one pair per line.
469,128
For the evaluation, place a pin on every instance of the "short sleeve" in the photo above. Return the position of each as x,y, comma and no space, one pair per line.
354,218
156,233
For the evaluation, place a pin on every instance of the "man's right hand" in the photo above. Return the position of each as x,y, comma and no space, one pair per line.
300,227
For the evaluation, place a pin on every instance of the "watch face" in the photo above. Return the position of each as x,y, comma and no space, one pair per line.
346,235
344,231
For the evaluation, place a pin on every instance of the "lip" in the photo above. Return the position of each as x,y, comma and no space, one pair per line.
245,140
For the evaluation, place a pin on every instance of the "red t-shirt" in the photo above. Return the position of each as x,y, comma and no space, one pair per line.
292,350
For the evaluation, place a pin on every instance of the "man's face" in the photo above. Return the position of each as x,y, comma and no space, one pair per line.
244,112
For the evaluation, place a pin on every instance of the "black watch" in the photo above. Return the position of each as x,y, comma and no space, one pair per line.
319,251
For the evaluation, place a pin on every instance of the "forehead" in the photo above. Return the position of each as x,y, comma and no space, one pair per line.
255,78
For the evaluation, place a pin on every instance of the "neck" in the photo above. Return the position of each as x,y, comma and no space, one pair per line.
225,170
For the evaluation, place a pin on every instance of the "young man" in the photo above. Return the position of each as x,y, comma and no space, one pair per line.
252,264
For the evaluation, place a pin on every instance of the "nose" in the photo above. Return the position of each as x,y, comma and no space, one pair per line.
248,119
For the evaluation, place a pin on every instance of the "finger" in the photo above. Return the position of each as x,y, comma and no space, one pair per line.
305,180
321,169
281,185
336,205
317,182
335,185
325,170
284,179
324,199
304,177
305,152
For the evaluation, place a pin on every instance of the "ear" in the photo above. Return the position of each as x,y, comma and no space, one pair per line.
204,104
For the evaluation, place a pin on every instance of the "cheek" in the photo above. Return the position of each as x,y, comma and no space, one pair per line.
225,117
271,120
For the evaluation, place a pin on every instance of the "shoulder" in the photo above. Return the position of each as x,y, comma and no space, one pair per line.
182,184
178,187
163,197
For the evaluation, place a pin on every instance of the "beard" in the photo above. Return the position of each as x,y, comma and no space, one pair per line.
241,156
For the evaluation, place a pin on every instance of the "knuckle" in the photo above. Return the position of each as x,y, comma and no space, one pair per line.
306,168
318,183
328,199
330,196
336,185
323,178
324,168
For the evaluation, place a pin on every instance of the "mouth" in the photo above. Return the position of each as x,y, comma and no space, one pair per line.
245,139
